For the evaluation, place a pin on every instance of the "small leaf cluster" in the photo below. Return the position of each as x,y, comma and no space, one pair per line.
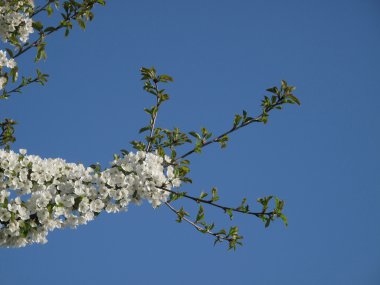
268,217
72,11
280,96
151,80
81,12
40,78
201,139
231,236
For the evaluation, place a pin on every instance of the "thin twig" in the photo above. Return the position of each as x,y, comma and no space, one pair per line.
209,202
233,129
17,89
40,9
28,46
154,117
199,228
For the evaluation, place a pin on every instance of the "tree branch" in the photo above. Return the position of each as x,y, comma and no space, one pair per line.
40,9
210,202
67,17
219,237
154,116
233,129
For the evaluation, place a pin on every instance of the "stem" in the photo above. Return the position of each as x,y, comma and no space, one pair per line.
17,89
209,202
197,227
40,9
154,118
28,46
233,129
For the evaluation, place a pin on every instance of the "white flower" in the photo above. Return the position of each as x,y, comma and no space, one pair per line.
5,62
5,215
4,195
68,201
13,227
23,213
11,63
84,206
42,215
3,81
96,205
15,21
112,208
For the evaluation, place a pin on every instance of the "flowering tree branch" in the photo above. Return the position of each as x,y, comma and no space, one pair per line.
73,11
16,16
50,193
162,139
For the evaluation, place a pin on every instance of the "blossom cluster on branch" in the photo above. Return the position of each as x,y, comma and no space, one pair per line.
15,26
15,20
39,195
5,62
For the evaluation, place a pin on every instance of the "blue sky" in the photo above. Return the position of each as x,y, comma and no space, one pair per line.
322,158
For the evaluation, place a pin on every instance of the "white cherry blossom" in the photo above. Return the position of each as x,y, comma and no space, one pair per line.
39,195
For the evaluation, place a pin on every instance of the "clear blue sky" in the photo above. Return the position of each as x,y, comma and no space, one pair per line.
322,158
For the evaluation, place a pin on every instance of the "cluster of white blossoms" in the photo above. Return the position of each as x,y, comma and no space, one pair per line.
5,62
39,195
15,20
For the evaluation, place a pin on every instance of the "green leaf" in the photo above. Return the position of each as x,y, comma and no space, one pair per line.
38,26
223,141
273,90
41,54
165,78
10,52
214,194
237,120
49,10
230,213
144,129
194,134
294,99
200,215
284,85
284,219
81,24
